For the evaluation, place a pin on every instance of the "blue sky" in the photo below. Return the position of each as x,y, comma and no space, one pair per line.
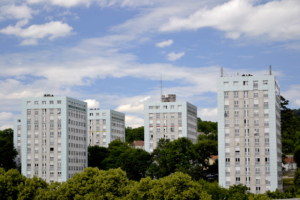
112,53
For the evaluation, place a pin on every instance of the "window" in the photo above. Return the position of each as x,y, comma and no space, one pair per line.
245,82
226,83
103,114
265,82
97,114
36,103
150,107
172,107
58,102
245,94
235,83
179,106
36,112
165,107
236,94
28,102
43,102
51,102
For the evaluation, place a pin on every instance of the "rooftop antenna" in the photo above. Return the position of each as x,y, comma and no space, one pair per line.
270,70
221,71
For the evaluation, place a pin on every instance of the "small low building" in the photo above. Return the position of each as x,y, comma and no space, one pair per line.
139,144
290,163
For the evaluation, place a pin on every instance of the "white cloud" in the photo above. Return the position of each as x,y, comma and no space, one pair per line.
16,12
92,103
52,30
175,56
133,121
6,126
137,107
297,101
208,114
275,20
29,42
4,116
164,43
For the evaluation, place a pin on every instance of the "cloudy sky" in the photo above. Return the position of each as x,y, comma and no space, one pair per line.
112,53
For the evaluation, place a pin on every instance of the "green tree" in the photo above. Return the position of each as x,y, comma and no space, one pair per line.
297,179
28,190
8,152
206,148
238,192
93,183
49,193
134,134
169,157
9,182
297,156
115,149
135,162
175,186
96,155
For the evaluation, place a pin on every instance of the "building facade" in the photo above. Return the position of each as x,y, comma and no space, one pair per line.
52,137
249,132
105,126
169,120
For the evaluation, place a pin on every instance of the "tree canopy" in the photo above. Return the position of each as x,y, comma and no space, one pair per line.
7,151
134,134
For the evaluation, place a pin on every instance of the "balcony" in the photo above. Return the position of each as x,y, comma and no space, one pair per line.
227,135
227,182
256,143
226,125
257,173
227,173
257,153
257,182
255,105
266,95
266,134
237,153
226,97
227,144
236,115
227,154
256,124
266,124
227,163
267,153
255,85
266,104
257,191
247,173
256,115
237,172
266,114
267,162
247,182
237,163
236,96
268,182
236,134
257,163
247,153
236,125
236,106
267,143
246,143
237,182
226,106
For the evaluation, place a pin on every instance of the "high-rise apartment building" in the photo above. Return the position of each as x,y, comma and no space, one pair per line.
249,132
105,126
51,137
169,120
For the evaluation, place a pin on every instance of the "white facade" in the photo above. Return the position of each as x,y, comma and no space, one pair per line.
169,120
105,126
249,132
52,141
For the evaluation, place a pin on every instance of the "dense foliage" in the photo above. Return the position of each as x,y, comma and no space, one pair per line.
134,134
94,184
207,126
290,128
7,151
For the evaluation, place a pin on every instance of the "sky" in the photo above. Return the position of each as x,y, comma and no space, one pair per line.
113,53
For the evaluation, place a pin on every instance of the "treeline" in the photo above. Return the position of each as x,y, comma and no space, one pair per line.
94,184
290,130
180,155
7,150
